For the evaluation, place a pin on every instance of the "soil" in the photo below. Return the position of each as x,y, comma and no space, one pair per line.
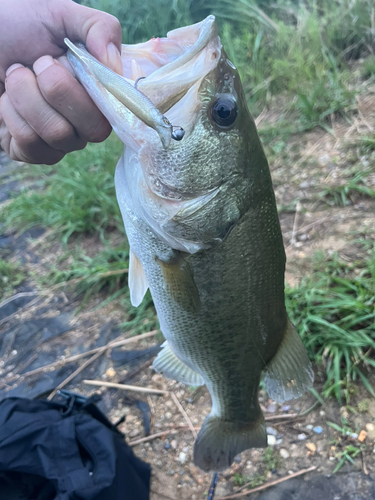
38,327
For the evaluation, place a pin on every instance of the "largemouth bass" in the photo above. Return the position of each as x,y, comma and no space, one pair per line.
204,233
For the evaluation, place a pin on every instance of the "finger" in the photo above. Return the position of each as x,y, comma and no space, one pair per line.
100,31
63,92
23,91
19,140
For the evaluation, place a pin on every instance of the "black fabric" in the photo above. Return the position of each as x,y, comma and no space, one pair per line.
67,451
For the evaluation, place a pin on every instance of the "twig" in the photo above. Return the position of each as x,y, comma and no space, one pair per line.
293,240
268,485
101,349
75,373
152,410
17,296
281,417
29,304
364,467
125,387
28,363
160,434
184,414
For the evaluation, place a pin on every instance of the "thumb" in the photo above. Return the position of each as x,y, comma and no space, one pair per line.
99,31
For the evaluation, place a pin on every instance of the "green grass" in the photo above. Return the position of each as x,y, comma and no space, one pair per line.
334,311
107,270
79,197
270,463
348,191
11,275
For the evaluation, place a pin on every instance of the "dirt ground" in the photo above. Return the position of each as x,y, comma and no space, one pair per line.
299,438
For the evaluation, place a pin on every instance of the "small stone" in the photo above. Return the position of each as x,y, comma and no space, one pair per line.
284,453
237,459
373,449
182,457
110,373
185,449
362,436
168,415
134,432
285,408
279,441
309,427
318,429
311,447
370,428
271,408
322,413
302,436
331,459
271,440
222,490
167,446
272,431
174,444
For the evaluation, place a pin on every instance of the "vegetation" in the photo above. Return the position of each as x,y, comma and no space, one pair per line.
270,462
334,310
312,58
11,275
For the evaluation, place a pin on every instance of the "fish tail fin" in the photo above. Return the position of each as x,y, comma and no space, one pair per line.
219,441
289,373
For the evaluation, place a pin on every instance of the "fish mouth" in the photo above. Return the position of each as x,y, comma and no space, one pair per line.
159,86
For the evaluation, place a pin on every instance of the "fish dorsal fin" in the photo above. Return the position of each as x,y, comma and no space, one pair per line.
137,280
289,373
180,284
168,364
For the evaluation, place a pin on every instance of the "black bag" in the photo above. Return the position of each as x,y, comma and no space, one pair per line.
52,451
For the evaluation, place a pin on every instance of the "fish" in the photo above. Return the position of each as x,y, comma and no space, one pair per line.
204,234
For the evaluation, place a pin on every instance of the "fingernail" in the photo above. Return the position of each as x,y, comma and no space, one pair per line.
114,58
12,68
63,60
41,64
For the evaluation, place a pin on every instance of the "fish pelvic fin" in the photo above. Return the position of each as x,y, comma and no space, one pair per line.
169,365
136,279
289,373
219,441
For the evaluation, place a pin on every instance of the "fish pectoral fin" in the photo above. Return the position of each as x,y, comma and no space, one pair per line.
219,441
180,284
168,364
136,279
289,373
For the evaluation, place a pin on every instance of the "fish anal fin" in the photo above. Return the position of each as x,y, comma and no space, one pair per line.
289,373
169,365
137,280
219,441
180,284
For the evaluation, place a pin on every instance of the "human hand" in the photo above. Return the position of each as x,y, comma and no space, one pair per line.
45,113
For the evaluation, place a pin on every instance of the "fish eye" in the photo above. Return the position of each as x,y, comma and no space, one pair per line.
224,110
